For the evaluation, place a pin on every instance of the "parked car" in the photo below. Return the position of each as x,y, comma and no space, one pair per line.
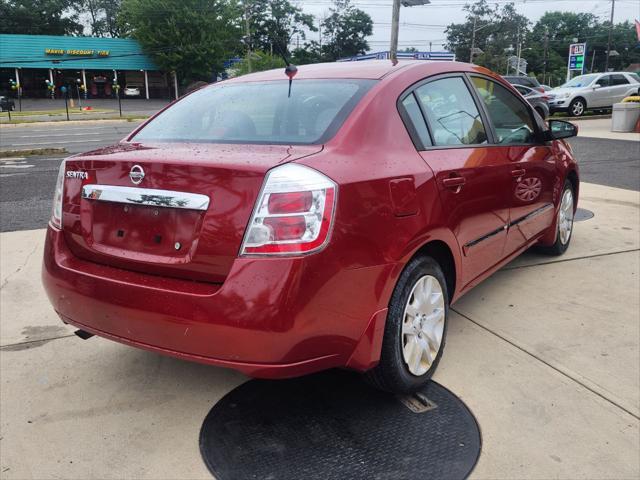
531,82
539,101
546,88
329,225
593,91
132,90
7,104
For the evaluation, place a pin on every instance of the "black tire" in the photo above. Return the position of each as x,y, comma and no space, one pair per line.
558,248
577,107
392,374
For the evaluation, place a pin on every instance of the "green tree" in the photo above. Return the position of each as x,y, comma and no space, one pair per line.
39,17
310,53
259,61
498,31
274,23
345,31
559,29
192,37
103,17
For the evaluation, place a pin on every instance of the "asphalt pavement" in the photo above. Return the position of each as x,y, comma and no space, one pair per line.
26,185
75,137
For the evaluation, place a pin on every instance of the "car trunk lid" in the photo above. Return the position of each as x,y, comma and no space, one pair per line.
185,217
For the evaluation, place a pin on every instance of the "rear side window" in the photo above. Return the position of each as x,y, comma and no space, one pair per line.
634,76
618,79
510,117
260,113
417,121
451,112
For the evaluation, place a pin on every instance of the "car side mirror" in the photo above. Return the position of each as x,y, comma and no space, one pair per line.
560,129
596,86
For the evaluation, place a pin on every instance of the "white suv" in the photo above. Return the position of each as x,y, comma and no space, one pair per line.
593,91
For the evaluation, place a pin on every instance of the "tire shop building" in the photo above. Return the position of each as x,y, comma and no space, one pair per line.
37,61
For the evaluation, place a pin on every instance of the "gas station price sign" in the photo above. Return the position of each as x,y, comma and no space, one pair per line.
577,53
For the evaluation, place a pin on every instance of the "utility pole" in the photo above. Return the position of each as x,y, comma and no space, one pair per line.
473,40
247,33
395,24
519,53
606,64
544,57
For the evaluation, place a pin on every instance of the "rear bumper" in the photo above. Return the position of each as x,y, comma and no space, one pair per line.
272,318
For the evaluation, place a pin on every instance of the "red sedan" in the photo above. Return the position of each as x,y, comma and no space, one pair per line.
284,229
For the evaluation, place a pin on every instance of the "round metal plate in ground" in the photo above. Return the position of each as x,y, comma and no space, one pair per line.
333,426
582,214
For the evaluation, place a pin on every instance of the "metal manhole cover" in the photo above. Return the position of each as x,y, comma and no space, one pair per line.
333,426
582,214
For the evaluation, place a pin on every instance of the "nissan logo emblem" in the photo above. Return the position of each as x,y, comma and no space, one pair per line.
136,174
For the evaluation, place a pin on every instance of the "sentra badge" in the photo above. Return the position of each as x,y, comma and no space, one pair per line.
77,174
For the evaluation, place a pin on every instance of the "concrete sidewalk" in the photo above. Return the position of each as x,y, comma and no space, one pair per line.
546,353
601,128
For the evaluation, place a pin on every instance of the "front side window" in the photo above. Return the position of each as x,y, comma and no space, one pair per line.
261,113
511,118
451,112
604,81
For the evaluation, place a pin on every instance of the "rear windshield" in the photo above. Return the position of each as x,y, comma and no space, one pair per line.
258,113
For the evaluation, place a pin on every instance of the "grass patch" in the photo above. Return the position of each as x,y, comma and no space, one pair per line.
31,152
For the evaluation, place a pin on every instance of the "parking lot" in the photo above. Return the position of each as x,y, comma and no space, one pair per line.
546,354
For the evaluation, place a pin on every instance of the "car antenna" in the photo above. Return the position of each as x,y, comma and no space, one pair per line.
290,71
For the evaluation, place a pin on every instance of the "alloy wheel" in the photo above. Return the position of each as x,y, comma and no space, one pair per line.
423,325
565,217
577,109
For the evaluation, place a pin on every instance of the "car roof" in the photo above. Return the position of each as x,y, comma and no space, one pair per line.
369,69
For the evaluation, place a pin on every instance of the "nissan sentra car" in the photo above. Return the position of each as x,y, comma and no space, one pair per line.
284,227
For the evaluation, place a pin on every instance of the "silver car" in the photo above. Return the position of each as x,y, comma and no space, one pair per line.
593,91
539,101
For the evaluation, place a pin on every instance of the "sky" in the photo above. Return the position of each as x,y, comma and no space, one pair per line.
421,25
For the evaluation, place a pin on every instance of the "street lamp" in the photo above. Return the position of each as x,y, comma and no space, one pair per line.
395,22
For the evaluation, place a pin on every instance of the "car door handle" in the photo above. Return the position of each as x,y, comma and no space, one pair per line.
518,172
454,183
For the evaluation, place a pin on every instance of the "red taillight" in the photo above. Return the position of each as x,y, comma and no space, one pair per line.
56,211
292,202
298,245
293,214
286,228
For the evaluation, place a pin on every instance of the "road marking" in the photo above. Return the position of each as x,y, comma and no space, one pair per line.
59,135
3,175
58,143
